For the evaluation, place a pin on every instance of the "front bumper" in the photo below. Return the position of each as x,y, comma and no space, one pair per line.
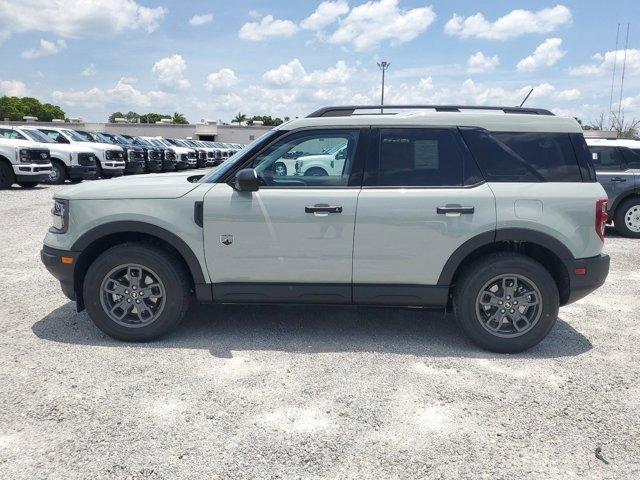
32,172
595,271
82,172
135,166
52,259
154,165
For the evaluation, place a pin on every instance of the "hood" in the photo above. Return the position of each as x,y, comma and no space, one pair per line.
70,148
159,186
103,147
181,149
324,157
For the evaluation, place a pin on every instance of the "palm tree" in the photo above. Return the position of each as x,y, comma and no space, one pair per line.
240,118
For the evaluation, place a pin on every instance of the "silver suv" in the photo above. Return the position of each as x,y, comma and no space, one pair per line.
617,164
494,212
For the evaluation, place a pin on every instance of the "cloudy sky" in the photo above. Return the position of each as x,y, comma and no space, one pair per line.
212,59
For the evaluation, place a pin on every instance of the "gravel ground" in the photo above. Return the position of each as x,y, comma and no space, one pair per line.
314,392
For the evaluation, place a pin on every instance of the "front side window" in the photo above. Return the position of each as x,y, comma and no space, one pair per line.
55,136
606,158
631,157
10,133
310,158
420,157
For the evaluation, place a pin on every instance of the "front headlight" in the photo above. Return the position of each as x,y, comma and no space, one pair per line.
60,216
23,155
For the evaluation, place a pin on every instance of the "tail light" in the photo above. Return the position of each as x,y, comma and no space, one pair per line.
601,217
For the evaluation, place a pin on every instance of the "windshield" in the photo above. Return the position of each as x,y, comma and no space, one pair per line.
122,140
162,142
143,142
74,135
37,136
240,156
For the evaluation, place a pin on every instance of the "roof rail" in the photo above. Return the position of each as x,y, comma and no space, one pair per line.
347,111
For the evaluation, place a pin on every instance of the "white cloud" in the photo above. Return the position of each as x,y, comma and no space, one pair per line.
198,20
480,63
513,24
372,22
603,64
77,18
325,15
13,88
569,95
267,27
294,74
545,55
46,48
222,80
124,94
89,71
170,72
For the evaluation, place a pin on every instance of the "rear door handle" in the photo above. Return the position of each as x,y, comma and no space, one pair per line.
447,209
323,208
618,179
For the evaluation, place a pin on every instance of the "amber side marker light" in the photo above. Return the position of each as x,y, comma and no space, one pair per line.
580,271
66,260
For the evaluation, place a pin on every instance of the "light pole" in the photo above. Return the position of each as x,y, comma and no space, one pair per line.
383,66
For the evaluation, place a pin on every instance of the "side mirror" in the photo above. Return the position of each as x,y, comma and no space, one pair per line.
247,180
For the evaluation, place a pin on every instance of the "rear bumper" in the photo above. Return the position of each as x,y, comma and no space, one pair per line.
596,270
63,272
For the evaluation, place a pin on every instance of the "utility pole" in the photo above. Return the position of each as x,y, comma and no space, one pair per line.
383,66
624,67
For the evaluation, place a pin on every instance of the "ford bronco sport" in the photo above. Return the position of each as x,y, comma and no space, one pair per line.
492,211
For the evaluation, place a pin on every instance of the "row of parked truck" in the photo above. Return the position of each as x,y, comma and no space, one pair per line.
30,155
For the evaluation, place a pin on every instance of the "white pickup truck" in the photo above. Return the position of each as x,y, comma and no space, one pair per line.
26,164
68,161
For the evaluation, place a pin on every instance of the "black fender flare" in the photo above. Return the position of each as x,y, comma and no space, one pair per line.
125,226
631,192
501,235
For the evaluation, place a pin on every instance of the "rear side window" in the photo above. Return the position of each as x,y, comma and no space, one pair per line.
606,158
10,133
421,157
524,156
631,157
550,154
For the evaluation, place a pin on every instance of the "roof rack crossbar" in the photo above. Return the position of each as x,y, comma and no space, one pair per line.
347,111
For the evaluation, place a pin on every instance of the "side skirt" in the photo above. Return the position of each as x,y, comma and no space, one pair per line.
321,293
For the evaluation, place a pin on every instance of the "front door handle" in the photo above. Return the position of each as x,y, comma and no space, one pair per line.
459,209
323,208
618,179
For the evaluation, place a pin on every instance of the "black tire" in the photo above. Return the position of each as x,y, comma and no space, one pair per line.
628,207
27,184
7,178
59,173
316,172
75,181
176,300
471,283
99,173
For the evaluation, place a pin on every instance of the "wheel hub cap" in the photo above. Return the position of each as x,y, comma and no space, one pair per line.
632,218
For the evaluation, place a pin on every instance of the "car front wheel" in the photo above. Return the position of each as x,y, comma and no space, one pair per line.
136,292
506,302
58,173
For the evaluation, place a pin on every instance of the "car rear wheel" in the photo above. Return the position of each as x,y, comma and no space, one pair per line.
136,292
627,218
58,173
506,302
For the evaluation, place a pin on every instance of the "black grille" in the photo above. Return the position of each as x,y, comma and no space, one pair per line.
192,154
136,155
86,159
169,155
114,155
184,157
39,156
154,155
211,154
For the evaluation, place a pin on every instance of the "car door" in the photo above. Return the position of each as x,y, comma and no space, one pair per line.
422,198
292,240
632,161
610,171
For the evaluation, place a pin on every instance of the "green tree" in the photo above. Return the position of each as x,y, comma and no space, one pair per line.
114,115
152,117
240,118
15,108
179,118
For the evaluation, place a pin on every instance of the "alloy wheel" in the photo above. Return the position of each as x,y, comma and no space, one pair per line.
132,295
509,305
